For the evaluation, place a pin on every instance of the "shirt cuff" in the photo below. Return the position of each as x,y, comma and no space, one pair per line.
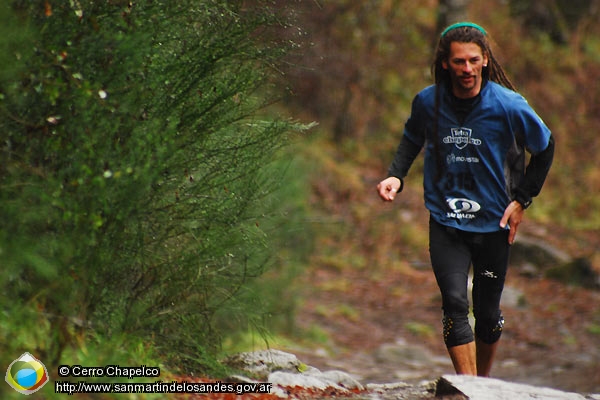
523,199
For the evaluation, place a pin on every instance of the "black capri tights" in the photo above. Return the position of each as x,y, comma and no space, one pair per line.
452,252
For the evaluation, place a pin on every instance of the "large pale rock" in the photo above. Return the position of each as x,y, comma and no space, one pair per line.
335,378
285,370
261,363
288,379
477,388
314,379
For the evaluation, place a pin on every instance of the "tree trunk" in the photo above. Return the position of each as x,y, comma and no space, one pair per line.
450,12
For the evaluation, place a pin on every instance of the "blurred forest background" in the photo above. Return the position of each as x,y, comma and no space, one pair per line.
181,180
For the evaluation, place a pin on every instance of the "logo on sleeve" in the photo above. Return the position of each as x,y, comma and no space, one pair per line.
463,208
461,137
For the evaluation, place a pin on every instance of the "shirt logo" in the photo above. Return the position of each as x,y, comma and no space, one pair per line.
463,208
453,158
461,137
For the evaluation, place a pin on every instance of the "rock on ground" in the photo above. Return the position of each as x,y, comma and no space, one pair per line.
494,389
285,371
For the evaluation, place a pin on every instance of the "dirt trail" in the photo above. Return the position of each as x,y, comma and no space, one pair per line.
392,333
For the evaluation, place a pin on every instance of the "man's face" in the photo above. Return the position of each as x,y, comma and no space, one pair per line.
465,63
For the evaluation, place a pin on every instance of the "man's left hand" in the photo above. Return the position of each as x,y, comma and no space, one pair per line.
513,215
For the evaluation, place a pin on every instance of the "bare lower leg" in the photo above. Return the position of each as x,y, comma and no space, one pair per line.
463,358
485,357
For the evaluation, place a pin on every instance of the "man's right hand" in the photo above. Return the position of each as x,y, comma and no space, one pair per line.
388,188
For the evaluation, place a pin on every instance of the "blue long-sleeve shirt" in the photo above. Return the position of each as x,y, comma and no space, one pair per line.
475,164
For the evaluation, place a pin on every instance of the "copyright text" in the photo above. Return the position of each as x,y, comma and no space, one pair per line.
110,371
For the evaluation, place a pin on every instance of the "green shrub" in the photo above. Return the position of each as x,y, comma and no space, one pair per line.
136,169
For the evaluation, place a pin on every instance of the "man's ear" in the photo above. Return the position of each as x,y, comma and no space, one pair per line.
445,64
485,60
